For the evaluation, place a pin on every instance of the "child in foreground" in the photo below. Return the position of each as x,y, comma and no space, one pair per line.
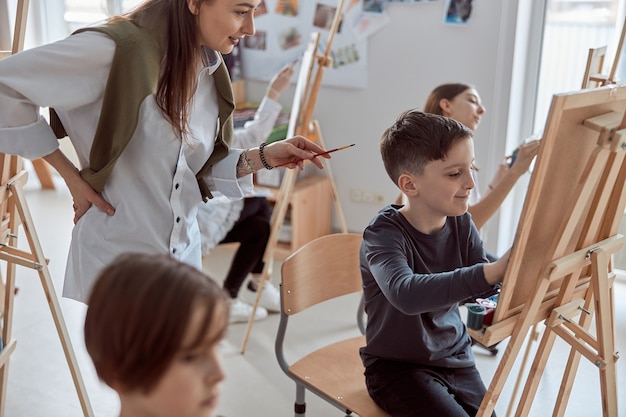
152,329
418,262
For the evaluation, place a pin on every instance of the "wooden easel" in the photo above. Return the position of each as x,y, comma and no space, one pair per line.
592,78
593,71
300,123
595,62
560,266
14,212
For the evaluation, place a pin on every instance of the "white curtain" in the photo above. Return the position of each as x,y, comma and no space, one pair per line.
5,28
44,22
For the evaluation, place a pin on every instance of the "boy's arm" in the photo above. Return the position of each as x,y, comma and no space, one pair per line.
386,262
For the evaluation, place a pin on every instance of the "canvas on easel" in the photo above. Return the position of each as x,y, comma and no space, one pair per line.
308,84
560,271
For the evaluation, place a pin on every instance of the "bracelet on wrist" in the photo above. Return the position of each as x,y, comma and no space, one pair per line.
246,162
262,156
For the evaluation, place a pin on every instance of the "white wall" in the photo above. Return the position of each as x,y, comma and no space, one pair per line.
407,58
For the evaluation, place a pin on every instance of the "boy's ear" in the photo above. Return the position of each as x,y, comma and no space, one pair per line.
408,185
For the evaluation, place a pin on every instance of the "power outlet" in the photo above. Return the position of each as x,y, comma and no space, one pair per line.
366,197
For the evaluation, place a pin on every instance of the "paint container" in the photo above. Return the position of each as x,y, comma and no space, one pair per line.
490,305
475,316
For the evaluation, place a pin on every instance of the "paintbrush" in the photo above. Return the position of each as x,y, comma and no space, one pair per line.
317,154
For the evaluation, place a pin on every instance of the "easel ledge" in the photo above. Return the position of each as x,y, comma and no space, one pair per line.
490,335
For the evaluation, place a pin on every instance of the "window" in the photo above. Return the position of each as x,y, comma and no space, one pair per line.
79,13
571,27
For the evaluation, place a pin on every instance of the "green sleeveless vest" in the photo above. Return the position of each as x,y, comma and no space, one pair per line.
133,77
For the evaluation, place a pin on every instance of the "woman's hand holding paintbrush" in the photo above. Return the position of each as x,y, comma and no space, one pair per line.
325,154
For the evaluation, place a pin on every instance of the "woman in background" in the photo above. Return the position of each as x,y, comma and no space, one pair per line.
246,221
461,102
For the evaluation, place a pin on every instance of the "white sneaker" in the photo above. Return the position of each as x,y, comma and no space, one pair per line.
270,297
240,312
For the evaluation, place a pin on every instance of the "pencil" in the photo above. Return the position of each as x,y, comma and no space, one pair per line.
318,154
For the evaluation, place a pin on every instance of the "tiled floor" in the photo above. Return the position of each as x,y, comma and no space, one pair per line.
40,384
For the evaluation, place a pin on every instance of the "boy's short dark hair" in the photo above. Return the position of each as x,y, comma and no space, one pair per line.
417,138
138,312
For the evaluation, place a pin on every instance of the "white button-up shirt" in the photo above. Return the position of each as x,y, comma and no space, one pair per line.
153,187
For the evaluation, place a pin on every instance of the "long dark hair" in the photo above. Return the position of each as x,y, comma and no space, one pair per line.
444,91
177,79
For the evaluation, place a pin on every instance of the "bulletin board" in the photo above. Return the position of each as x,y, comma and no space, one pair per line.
283,28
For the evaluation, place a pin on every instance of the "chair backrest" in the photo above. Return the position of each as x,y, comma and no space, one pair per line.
325,268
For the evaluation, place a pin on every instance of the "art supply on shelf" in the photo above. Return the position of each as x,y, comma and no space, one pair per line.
475,316
490,307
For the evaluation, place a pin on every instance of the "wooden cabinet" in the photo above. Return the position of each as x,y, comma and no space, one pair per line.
308,215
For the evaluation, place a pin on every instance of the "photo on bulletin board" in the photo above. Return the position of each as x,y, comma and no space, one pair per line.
378,6
457,12
374,6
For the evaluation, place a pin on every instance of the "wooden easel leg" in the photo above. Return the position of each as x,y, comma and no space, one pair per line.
604,331
43,173
278,217
333,186
533,336
536,370
53,302
512,350
7,330
573,362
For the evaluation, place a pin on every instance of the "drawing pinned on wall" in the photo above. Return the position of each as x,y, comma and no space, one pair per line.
364,24
347,55
324,16
373,6
378,6
290,38
261,9
287,7
257,41
458,12
285,41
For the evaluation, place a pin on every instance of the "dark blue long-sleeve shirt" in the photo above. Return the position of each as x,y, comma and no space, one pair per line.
413,284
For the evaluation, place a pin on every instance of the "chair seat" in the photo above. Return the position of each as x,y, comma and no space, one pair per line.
343,381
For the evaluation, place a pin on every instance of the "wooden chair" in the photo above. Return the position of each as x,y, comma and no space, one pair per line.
322,270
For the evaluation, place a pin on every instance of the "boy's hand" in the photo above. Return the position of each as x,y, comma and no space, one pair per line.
494,272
